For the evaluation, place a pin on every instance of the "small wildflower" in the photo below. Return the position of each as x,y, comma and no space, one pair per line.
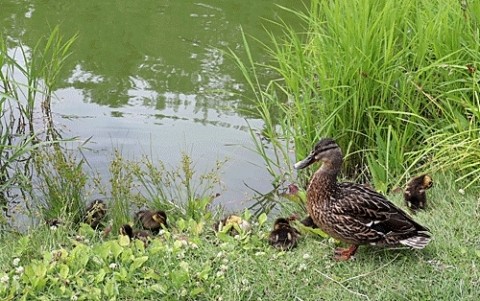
19,270
74,298
219,254
237,237
225,260
113,266
194,245
15,277
302,267
4,279
161,232
259,253
16,261
223,268
220,273
461,191
306,256
53,228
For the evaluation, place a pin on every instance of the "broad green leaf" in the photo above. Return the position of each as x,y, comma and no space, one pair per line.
138,262
262,219
100,276
63,271
123,240
196,291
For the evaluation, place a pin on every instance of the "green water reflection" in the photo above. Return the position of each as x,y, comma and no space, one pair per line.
152,67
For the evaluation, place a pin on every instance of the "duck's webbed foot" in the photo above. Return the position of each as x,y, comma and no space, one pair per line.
342,254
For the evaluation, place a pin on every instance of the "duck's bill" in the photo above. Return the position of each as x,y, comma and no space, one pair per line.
305,162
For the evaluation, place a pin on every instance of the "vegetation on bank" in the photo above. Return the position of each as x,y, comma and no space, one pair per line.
191,262
396,83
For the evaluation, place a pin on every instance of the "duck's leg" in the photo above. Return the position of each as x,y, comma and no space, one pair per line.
345,254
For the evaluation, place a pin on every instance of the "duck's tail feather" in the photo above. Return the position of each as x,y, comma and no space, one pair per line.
418,241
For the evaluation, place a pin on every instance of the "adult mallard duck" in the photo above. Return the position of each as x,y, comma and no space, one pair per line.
152,220
95,213
353,213
414,195
283,235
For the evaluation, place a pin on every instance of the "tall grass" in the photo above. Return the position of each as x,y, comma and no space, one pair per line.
389,80
27,80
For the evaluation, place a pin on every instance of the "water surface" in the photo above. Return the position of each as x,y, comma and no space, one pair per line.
151,77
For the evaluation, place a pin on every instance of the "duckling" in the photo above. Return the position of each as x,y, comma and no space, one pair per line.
283,235
229,221
414,195
354,213
308,222
95,213
152,220
127,230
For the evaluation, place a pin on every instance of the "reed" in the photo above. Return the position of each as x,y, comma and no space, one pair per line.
389,80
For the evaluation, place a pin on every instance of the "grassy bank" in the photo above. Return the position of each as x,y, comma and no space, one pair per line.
191,262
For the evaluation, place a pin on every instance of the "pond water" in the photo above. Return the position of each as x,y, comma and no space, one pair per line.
150,77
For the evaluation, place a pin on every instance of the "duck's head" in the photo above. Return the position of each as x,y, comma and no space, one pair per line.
281,223
160,217
327,151
126,230
97,206
427,182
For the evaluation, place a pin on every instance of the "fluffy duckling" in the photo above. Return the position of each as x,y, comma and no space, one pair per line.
95,213
127,230
414,195
152,220
229,221
353,213
283,235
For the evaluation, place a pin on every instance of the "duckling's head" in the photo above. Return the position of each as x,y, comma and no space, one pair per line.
160,217
126,230
427,181
281,223
97,206
327,151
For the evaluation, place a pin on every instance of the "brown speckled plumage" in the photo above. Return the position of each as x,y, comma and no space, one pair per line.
354,213
283,235
95,213
414,195
152,220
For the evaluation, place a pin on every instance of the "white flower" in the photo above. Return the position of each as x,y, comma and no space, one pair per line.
219,254
223,267
113,266
306,256
194,245
19,270
4,279
225,260
302,267
161,232
16,261
15,277
461,191
259,253
74,298
220,273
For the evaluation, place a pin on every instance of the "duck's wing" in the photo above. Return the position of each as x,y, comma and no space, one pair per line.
371,218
